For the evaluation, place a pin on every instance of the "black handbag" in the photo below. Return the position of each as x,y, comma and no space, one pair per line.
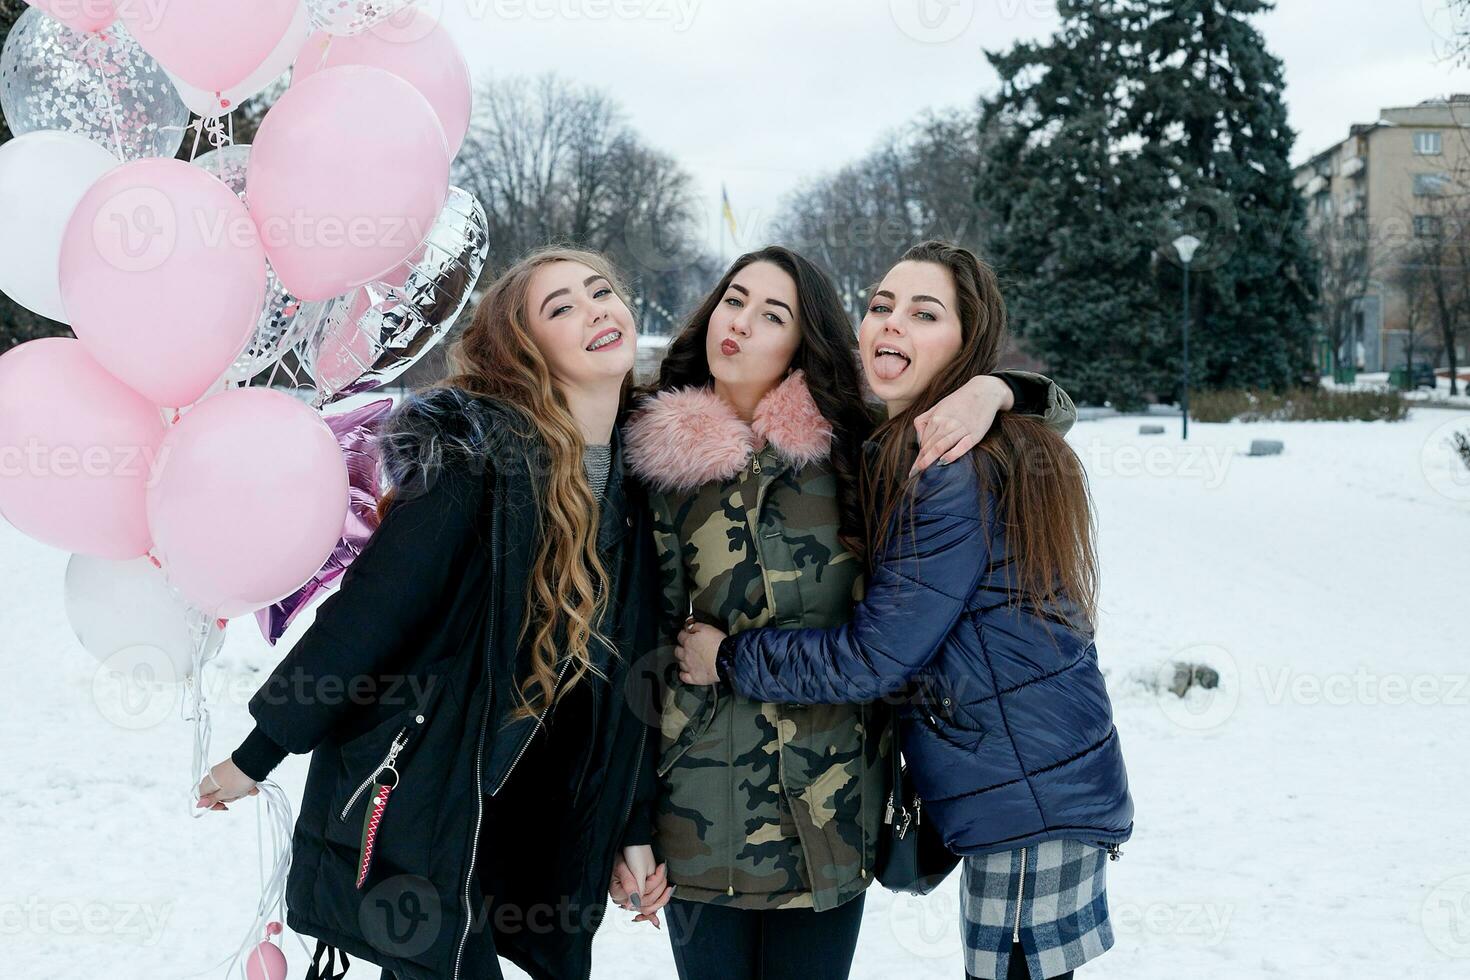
911,855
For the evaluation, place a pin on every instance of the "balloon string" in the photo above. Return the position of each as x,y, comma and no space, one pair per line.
198,127
270,907
321,61
82,53
209,636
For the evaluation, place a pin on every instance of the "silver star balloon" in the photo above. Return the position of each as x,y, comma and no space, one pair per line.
378,331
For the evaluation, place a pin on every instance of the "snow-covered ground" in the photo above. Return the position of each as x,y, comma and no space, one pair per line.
1307,819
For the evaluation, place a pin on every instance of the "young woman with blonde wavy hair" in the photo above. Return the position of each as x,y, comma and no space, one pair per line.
471,695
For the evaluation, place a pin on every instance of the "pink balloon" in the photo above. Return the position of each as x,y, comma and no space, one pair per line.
163,277
83,16
77,450
348,174
414,46
250,501
211,44
266,962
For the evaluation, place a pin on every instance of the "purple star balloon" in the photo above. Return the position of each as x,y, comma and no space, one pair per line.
356,434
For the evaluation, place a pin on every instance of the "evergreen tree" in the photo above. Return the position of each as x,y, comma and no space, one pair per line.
1211,113
1139,121
1076,207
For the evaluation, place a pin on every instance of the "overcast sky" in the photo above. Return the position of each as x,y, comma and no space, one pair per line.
761,94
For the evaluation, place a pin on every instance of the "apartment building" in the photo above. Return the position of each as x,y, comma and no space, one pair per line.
1386,174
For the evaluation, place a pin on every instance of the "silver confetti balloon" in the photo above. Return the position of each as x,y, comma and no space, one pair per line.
285,319
103,86
380,330
347,17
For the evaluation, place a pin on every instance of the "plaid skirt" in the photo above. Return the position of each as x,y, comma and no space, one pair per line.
1049,897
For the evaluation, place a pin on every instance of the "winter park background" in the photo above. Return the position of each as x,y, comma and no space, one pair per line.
1283,635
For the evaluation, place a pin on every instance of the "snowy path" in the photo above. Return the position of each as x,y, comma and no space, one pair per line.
1306,820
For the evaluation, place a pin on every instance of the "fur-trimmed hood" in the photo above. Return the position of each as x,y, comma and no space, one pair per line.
684,438
441,425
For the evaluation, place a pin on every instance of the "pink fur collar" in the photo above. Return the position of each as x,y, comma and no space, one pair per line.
685,438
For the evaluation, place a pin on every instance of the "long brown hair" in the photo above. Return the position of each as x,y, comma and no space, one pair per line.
496,356
827,353
1042,491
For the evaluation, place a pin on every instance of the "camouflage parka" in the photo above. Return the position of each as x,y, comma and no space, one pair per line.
760,805
763,805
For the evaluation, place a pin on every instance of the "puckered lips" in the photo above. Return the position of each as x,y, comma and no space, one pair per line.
729,347
609,339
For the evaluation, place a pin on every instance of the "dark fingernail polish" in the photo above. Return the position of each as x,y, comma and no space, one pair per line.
637,902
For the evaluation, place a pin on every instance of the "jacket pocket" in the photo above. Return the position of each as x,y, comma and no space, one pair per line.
385,768
686,715
953,728
358,821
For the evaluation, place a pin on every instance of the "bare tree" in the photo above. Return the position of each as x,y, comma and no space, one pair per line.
1345,268
1440,264
917,183
555,162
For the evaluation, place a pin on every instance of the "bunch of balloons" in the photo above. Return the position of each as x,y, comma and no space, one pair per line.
188,491
335,238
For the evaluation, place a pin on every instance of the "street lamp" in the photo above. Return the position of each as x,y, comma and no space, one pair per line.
1186,246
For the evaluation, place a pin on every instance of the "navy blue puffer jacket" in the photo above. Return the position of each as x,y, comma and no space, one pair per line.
1011,739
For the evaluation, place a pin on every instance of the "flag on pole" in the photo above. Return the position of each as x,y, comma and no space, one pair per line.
729,212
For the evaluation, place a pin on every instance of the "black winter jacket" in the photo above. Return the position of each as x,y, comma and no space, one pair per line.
415,660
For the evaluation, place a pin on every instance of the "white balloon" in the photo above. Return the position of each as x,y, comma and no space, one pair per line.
209,105
42,177
126,615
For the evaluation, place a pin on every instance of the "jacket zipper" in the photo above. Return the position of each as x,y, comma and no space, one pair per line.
527,743
469,916
582,779
730,718
1020,892
399,741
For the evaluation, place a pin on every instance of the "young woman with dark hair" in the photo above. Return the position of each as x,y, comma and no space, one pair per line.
981,592
768,814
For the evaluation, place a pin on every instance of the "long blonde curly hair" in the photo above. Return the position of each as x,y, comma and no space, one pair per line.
567,594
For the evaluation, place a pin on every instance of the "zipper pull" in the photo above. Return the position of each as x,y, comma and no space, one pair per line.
918,810
399,741
888,811
1114,852
755,465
